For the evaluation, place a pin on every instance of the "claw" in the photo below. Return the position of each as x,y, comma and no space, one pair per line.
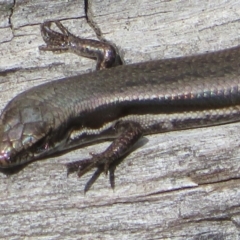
93,179
106,168
82,171
56,41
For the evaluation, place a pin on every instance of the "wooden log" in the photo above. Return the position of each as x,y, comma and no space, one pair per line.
177,185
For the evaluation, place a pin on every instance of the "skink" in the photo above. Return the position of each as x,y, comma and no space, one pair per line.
120,104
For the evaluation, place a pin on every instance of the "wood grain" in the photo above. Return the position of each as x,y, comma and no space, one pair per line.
178,185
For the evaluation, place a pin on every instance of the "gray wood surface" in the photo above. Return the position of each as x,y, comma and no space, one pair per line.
178,185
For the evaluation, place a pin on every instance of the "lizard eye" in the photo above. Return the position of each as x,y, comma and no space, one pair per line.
43,148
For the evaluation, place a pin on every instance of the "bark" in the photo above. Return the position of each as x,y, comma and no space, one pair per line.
178,185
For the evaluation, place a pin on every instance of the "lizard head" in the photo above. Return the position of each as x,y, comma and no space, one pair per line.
23,132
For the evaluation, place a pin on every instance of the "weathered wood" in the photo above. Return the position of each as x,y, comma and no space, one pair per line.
178,185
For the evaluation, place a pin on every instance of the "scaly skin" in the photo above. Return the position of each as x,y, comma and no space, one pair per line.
122,104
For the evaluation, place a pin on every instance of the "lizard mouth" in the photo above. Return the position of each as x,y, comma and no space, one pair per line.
4,159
